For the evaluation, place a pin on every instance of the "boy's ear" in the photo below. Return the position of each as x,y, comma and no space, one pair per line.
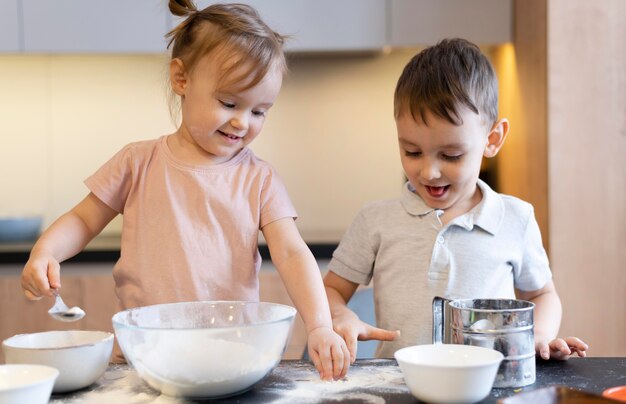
178,76
496,137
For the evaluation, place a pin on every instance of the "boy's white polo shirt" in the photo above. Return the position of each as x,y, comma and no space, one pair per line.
411,257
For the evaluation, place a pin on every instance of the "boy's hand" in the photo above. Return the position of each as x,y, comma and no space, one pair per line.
329,353
41,273
561,348
352,329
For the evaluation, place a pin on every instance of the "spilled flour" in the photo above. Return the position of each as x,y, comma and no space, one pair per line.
116,386
290,382
300,382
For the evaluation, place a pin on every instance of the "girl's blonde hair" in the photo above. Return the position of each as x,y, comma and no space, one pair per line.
234,33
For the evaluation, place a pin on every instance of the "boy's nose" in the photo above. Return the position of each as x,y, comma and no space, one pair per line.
430,171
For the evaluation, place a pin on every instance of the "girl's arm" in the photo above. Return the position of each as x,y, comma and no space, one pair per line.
299,271
66,237
345,322
547,319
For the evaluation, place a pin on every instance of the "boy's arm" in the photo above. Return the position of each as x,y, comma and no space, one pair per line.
299,271
66,237
547,320
345,321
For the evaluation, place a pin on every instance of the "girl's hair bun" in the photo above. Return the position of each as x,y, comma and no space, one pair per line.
182,8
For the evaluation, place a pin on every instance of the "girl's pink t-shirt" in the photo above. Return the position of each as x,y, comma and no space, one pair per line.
189,233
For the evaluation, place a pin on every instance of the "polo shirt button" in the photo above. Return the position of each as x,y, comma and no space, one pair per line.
440,239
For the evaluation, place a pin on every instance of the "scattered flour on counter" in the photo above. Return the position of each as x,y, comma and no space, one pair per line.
304,386
291,383
120,386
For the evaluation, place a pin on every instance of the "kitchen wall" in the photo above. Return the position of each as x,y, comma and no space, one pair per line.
331,133
570,108
331,136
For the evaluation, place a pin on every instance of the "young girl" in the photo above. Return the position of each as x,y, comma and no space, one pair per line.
194,201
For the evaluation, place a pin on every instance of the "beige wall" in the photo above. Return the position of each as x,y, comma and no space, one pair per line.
565,154
587,168
331,134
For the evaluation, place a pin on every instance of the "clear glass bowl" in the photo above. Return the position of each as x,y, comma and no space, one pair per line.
204,349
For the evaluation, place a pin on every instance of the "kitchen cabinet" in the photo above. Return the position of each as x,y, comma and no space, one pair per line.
323,25
139,26
10,26
94,26
425,22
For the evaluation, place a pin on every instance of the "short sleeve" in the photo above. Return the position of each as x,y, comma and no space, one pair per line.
275,201
354,257
112,182
534,271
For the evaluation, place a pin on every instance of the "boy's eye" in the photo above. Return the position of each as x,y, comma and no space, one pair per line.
227,104
412,154
449,157
259,113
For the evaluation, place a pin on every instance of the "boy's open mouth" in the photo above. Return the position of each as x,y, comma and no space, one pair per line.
436,192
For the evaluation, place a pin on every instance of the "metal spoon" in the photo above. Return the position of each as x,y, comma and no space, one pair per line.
61,312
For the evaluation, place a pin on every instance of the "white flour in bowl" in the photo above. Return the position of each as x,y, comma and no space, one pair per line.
192,364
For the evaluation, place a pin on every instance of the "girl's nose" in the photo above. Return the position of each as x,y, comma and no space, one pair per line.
240,121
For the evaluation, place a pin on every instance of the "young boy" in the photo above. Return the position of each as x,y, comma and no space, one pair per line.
449,234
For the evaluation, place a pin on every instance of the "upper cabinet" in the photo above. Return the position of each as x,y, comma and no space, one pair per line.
425,22
10,27
94,26
139,26
323,25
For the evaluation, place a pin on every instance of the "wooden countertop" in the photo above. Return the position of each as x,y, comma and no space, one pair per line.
369,381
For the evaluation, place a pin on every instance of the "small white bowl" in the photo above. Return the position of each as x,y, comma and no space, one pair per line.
80,356
447,373
26,383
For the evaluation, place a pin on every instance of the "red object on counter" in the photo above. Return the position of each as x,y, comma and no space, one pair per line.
616,393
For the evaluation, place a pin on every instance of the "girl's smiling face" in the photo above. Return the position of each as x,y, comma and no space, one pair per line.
218,122
442,160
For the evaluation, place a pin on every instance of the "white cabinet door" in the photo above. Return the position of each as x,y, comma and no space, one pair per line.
10,26
425,22
323,25
94,26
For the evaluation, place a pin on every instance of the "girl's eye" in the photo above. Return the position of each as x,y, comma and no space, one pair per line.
227,104
259,113
452,158
412,154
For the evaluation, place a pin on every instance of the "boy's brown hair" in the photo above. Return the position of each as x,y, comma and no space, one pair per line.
442,78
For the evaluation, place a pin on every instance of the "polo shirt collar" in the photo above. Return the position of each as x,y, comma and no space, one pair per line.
488,214
412,202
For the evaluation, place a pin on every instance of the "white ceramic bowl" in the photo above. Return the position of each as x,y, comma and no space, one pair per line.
446,373
204,349
30,384
80,356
